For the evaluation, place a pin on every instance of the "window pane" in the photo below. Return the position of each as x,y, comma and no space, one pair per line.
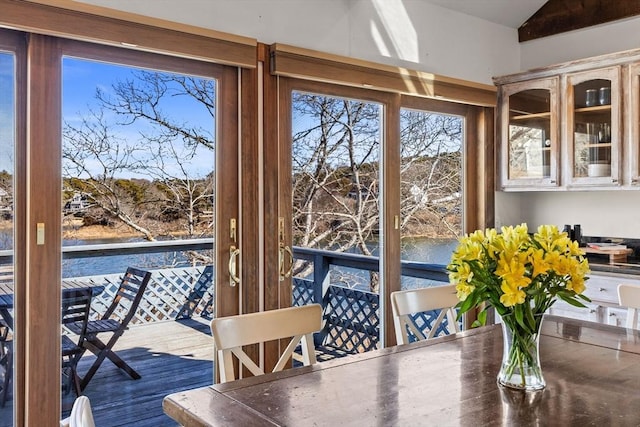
431,187
336,193
138,191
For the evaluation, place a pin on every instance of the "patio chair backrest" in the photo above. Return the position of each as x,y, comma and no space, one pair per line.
132,287
629,296
406,303
76,304
233,332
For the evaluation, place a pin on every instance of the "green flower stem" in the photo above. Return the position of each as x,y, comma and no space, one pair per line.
522,354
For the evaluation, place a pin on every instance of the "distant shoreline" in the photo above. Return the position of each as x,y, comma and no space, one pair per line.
74,230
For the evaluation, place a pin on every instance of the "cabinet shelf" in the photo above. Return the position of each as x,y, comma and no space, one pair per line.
600,145
594,109
523,150
521,116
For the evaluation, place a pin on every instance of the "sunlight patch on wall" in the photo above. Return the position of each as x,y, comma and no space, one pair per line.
398,29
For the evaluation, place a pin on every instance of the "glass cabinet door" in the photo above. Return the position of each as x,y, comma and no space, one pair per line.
529,135
593,128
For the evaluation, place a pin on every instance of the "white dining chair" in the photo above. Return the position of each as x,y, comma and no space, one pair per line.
81,415
233,332
629,296
407,303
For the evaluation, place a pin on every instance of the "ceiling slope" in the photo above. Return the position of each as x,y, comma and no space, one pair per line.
559,16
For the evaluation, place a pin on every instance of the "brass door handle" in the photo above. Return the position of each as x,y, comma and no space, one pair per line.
285,250
234,253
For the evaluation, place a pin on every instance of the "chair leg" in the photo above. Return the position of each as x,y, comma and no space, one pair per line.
77,387
7,362
104,351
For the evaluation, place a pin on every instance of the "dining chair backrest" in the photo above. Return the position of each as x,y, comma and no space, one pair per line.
629,296
405,304
81,414
233,332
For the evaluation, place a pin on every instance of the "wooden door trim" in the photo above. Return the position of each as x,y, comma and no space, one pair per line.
43,266
227,297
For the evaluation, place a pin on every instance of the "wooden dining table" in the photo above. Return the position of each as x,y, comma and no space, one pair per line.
592,372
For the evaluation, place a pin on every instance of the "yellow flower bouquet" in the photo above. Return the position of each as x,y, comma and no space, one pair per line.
521,276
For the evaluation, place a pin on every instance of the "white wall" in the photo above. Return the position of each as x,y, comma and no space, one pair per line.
406,33
600,213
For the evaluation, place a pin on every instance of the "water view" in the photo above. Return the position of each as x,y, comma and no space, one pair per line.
430,251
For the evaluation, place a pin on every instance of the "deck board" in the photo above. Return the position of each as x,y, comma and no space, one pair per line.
170,356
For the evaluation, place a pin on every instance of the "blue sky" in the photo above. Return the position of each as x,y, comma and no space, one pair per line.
7,88
81,78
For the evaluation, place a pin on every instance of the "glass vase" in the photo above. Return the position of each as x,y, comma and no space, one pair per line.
520,367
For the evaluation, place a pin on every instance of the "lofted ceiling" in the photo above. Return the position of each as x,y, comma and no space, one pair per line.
541,18
510,13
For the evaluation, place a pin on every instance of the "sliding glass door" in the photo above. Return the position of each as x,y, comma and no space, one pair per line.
126,152
140,193
372,200
431,176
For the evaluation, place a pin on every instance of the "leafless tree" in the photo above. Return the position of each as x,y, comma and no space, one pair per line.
431,174
97,157
102,152
336,175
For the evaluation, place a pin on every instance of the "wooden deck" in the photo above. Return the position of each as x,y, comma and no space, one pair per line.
170,356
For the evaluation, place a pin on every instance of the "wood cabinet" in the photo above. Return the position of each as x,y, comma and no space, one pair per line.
573,126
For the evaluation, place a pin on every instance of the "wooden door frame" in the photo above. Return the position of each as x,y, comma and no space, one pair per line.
38,187
39,28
